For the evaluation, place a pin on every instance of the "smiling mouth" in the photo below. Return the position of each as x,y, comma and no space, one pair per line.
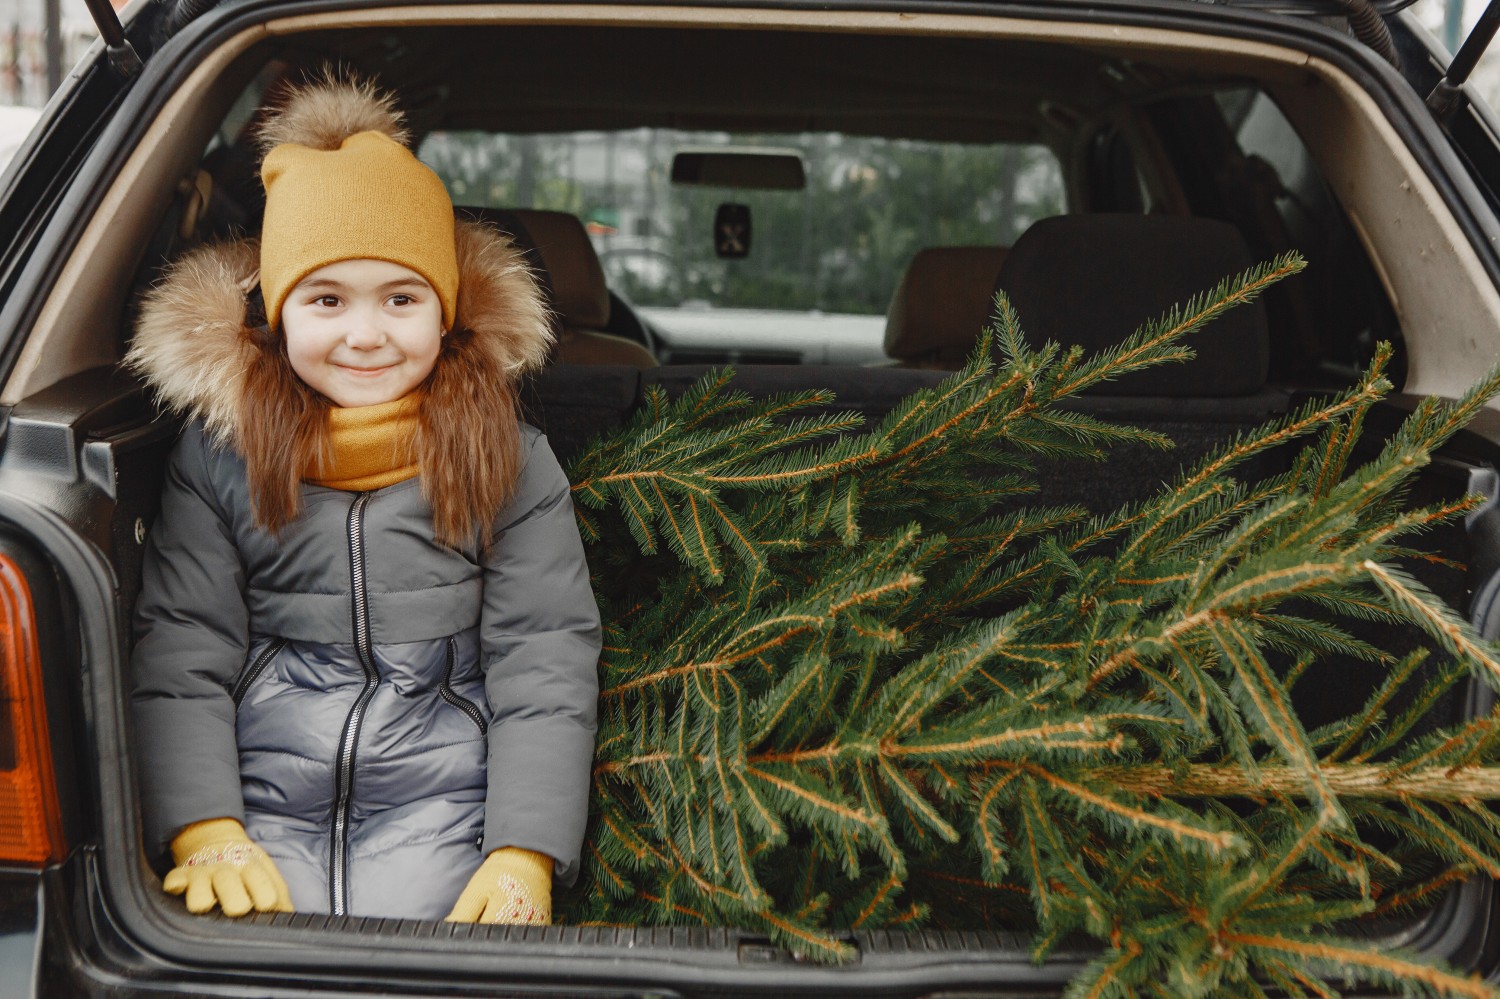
364,372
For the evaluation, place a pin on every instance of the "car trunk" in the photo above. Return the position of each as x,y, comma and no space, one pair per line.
78,424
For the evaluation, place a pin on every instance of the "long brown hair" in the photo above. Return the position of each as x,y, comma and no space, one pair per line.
468,442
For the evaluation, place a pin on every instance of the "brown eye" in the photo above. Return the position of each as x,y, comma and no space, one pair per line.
327,301
402,300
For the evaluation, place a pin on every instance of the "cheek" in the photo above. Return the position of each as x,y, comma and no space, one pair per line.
303,350
422,358
422,343
303,370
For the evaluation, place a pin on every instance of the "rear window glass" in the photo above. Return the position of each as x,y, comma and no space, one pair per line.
839,245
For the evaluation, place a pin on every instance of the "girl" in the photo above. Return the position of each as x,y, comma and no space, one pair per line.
365,669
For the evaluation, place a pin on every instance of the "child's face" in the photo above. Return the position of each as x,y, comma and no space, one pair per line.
362,332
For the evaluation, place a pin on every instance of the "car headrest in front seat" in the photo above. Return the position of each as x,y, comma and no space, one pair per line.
508,223
945,298
580,295
563,259
1092,279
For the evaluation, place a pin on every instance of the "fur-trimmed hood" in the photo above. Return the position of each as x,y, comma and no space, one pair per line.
198,346
194,346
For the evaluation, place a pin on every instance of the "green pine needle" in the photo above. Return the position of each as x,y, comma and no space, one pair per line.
850,681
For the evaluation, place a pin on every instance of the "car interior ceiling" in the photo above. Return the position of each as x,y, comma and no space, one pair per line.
1058,94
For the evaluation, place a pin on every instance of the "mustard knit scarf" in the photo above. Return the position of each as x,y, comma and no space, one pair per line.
371,446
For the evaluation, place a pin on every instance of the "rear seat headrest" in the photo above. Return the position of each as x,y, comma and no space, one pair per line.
944,299
582,299
1092,279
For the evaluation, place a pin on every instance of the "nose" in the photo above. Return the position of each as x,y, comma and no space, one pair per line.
364,331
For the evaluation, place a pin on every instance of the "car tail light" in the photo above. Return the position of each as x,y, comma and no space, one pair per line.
30,823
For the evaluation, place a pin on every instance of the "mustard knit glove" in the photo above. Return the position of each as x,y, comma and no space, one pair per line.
217,862
511,886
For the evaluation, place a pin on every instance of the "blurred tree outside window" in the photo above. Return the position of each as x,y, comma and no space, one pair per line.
40,40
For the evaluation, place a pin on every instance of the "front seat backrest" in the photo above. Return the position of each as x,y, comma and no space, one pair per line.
944,299
1092,279
579,292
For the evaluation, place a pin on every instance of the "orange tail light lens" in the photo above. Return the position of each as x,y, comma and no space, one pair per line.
30,822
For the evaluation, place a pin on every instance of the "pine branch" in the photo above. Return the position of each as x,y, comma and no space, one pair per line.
1381,968
845,663
1366,781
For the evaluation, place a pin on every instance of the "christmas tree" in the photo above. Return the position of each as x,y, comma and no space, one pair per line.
863,677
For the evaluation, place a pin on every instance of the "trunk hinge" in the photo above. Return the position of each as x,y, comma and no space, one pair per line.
1447,98
122,55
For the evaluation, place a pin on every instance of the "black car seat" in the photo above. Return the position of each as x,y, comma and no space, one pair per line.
1091,280
571,401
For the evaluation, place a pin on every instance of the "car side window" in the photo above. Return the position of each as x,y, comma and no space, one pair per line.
1349,306
1237,158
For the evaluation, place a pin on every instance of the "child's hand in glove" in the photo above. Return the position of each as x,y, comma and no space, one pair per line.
217,862
511,886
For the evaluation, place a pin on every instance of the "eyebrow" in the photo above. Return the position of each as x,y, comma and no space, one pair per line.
411,282
322,284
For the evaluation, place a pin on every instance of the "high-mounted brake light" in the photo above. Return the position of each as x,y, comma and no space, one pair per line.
30,823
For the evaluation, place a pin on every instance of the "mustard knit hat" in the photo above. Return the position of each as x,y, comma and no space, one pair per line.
341,185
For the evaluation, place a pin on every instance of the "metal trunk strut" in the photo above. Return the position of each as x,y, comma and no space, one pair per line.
1447,97
123,58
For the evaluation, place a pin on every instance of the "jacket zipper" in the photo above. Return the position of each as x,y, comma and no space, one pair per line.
338,872
256,669
446,691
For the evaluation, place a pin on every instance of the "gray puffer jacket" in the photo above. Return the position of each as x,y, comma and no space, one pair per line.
379,710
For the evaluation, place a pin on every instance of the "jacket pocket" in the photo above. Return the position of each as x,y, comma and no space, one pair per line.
255,669
446,691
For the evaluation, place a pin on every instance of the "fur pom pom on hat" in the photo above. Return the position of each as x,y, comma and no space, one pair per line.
325,112
342,185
